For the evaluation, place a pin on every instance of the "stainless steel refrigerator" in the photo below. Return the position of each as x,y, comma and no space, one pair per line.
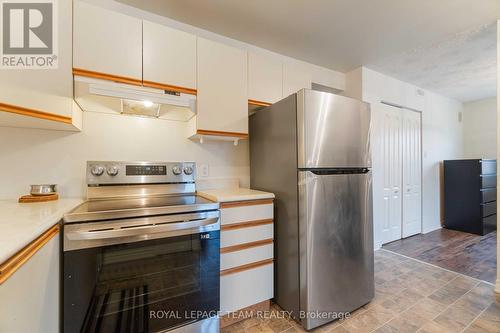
312,150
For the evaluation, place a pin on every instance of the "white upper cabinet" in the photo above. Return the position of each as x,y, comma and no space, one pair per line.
265,78
107,42
41,98
296,76
222,88
169,56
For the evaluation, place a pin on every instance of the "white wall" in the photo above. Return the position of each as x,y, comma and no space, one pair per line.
31,156
442,134
442,139
480,128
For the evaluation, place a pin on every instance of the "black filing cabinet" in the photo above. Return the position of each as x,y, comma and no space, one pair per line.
470,195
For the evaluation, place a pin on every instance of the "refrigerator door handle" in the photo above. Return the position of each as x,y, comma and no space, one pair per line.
336,171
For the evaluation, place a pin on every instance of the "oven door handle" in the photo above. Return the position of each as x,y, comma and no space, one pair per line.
141,230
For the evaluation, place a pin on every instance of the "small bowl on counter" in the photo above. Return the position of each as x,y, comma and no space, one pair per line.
43,189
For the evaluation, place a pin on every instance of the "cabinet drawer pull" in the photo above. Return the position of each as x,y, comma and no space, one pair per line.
244,246
246,203
246,267
247,224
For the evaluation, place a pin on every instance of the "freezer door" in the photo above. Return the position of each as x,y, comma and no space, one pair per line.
332,131
335,245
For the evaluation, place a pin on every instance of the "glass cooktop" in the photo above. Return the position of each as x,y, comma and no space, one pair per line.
103,209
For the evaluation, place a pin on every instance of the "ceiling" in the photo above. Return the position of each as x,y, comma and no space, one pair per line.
337,34
462,67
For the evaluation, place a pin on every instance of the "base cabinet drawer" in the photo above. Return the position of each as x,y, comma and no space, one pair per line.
489,208
246,235
246,256
246,213
488,181
490,221
488,167
488,195
245,288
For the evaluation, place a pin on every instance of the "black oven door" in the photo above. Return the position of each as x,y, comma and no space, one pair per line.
141,286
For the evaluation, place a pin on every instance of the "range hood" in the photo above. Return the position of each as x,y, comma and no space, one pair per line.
119,98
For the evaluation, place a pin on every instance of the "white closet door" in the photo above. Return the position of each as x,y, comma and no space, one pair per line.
390,150
412,178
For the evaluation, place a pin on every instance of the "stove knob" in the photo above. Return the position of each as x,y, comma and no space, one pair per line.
188,170
176,170
112,170
97,170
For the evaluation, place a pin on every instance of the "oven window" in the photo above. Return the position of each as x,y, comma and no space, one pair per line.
142,287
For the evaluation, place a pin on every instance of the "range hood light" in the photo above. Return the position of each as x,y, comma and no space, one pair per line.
140,108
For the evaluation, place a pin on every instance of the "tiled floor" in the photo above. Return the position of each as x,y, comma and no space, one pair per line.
410,296
461,252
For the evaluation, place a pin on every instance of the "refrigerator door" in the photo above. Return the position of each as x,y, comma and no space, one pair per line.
332,131
336,244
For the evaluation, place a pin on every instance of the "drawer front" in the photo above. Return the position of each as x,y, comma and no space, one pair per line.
246,235
490,220
488,181
488,167
246,213
489,208
245,288
489,195
247,256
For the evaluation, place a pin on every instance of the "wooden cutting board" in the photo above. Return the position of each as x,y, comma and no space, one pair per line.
38,198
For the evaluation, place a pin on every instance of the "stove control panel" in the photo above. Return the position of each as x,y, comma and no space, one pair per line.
113,172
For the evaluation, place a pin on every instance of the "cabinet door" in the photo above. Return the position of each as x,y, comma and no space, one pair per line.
296,76
222,88
265,78
412,177
30,297
107,42
387,172
169,56
47,90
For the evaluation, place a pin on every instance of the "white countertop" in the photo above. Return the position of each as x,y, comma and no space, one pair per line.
21,223
235,194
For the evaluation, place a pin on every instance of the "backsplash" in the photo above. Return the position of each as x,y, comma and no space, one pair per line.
32,156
